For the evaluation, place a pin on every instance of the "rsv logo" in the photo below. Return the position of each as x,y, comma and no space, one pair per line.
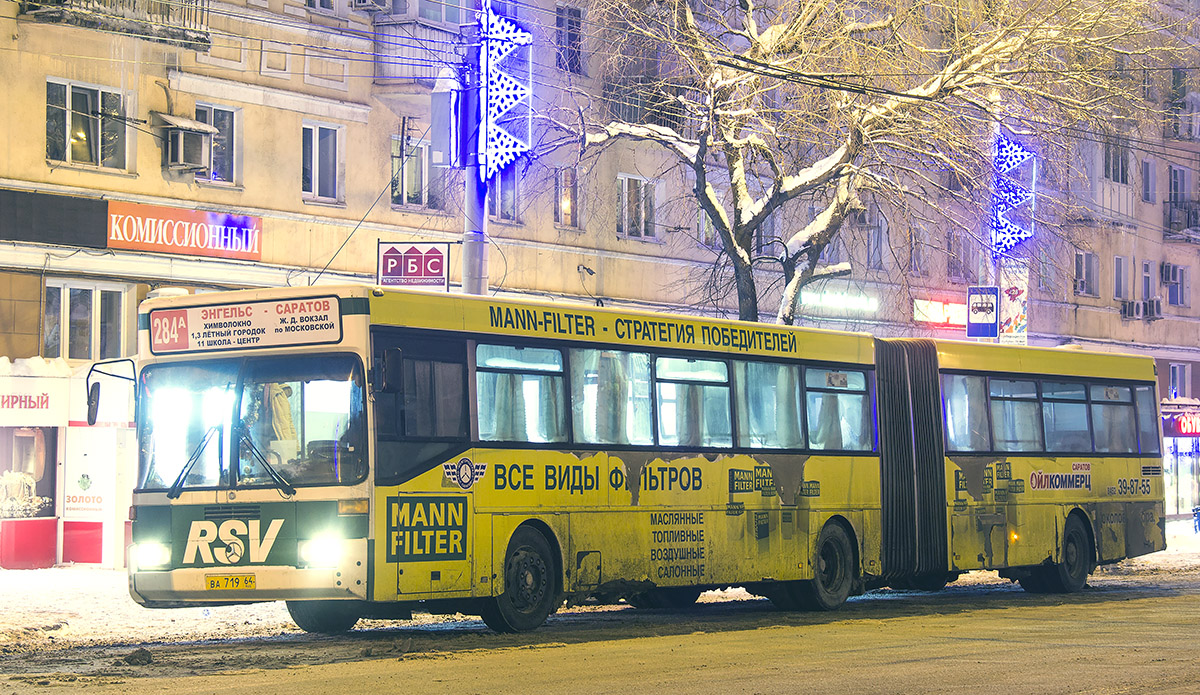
233,539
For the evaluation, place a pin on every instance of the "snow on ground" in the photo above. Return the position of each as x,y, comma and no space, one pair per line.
79,606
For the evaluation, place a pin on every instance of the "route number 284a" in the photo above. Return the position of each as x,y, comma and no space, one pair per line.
168,330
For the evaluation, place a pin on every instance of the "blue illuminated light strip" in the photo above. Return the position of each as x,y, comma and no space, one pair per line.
501,92
1008,195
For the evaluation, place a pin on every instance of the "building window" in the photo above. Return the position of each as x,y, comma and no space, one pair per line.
765,237
502,197
1180,382
85,125
875,240
961,257
1148,180
566,197
1116,160
83,321
635,207
450,11
1046,272
221,161
1147,280
569,41
320,162
1087,272
917,263
1178,292
414,180
1120,277
706,233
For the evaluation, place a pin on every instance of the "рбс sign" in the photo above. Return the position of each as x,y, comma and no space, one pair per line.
411,264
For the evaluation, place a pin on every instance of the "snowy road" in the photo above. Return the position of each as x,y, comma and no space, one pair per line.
1133,630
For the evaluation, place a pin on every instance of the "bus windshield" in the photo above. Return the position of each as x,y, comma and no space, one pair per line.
269,422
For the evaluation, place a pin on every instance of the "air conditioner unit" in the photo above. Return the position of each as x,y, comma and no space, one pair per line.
188,150
1168,273
1154,309
1139,309
1127,308
371,5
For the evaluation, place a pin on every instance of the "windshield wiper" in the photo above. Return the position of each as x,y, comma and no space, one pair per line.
176,488
282,482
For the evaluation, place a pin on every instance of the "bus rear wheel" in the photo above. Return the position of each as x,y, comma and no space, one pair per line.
326,617
670,597
833,571
1070,573
530,594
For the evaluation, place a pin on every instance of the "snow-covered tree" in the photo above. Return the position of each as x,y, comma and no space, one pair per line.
841,104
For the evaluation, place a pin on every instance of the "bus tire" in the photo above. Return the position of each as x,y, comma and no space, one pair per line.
786,596
669,597
530,593
834,570
1070,573
325,617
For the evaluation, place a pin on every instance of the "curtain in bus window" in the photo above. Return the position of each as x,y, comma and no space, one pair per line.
1147,416
1113,419
966,412
693,402
434,396
1016,419
1065,417
768,405
608,397
526,389
839,411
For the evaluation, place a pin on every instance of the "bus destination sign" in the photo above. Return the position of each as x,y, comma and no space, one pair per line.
274,323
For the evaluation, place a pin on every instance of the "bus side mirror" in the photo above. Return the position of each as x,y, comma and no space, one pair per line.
93,402
393,359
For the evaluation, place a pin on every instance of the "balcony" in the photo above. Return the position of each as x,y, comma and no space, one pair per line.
1181,220
411,50
181,23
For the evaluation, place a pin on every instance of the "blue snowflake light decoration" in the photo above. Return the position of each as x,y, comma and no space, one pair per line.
1009,195
503,136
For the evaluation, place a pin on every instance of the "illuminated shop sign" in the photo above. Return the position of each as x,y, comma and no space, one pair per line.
185,232
835,299
940,313
1181,425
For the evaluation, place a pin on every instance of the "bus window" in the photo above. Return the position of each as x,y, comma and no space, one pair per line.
186,416
520,394
1016,419
769,406
839,411
304,417
966,412
693,402
1147,419
610,396
1064,414
1113,420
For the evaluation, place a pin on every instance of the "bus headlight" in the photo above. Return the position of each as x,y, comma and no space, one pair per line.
322,551
152,555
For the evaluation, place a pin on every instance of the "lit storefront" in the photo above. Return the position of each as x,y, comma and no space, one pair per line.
1181,455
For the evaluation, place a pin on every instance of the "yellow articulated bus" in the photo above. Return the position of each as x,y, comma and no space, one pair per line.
359,452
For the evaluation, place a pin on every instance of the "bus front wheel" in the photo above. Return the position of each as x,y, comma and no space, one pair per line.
833,570
326,617
529,588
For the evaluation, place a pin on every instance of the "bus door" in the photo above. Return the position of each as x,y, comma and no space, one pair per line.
912,463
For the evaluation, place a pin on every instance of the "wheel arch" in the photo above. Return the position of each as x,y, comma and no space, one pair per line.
555,548
855,540
1088,530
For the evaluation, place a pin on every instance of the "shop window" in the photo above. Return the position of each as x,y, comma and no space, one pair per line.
83,321
85,125
26,481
